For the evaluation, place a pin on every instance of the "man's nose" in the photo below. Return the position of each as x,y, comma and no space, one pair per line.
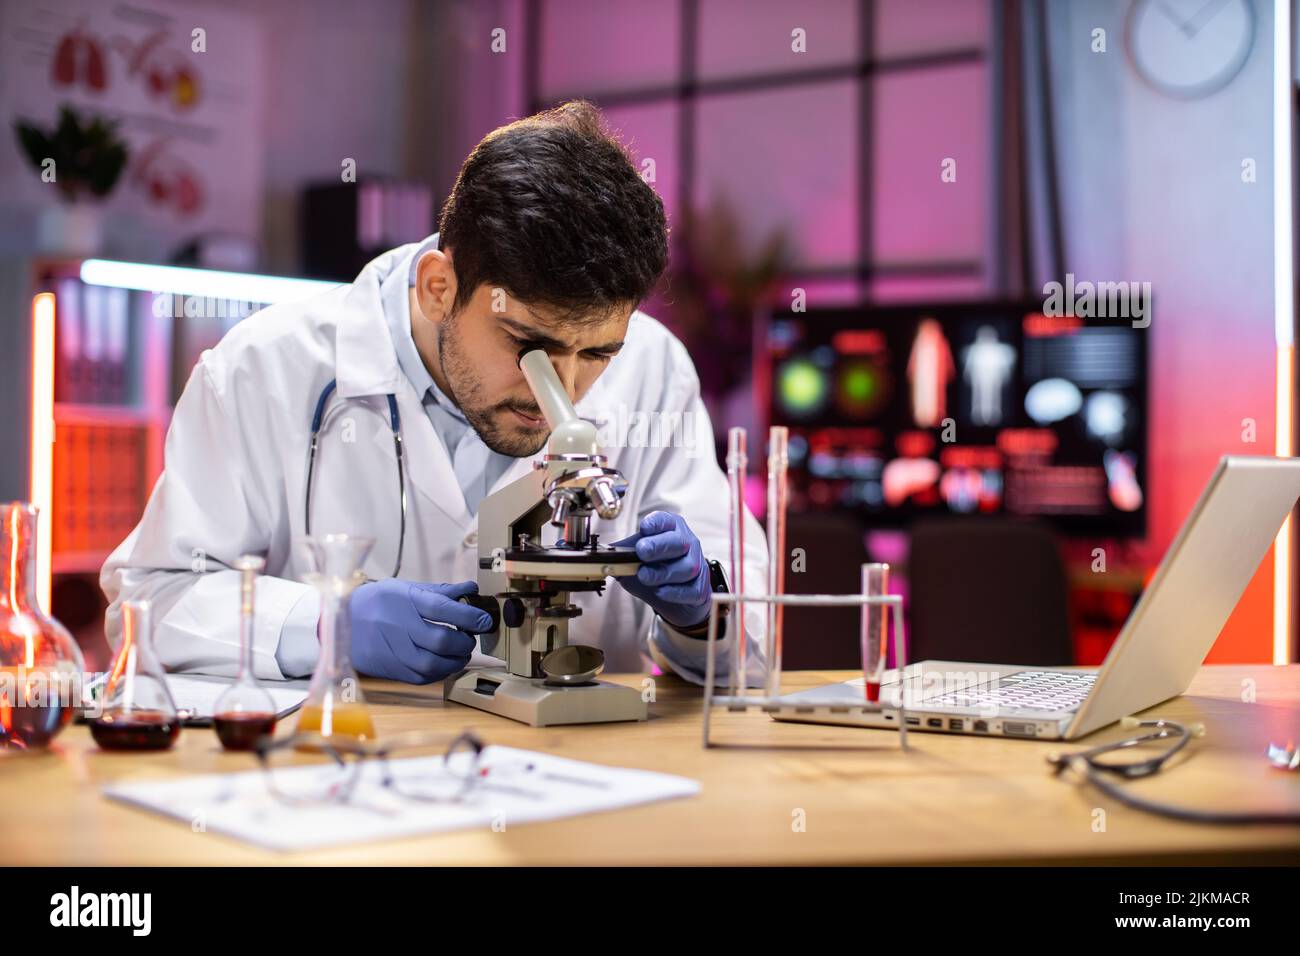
566,367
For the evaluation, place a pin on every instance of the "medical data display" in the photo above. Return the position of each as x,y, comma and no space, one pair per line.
964,409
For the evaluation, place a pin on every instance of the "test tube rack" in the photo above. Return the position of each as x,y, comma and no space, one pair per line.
777,705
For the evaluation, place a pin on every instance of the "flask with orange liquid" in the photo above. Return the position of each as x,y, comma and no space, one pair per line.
335,705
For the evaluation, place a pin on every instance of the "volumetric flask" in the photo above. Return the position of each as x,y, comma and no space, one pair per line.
335,704
245,710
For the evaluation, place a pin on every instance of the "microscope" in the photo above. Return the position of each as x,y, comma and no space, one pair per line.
525,585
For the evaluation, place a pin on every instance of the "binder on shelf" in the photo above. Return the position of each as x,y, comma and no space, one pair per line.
116,336
345,225
100,485
68,372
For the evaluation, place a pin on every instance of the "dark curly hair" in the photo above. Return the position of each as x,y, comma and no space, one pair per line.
552,209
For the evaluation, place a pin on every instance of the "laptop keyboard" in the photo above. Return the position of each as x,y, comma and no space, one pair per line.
1051,691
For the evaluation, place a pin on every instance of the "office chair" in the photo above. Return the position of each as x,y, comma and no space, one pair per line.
987,589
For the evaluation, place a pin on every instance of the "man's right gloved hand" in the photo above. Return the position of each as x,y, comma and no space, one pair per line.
413,632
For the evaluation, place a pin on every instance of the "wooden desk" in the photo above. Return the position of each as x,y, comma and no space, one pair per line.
951,799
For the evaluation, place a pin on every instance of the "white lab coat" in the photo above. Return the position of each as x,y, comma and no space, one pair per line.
235,471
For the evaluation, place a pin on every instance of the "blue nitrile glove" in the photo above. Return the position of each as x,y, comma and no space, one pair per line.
674,577
413,632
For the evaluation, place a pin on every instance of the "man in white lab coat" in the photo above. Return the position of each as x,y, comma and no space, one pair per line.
549,240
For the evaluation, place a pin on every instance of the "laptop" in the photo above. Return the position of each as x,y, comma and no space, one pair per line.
1163,643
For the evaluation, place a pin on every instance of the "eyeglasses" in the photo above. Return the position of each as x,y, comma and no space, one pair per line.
450,780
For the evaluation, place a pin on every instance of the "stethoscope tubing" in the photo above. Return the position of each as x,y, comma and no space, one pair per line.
395,422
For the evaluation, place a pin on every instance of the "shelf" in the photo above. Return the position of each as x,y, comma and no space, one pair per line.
70,414
78,562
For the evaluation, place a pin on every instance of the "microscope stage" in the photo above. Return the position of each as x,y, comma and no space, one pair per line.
571,564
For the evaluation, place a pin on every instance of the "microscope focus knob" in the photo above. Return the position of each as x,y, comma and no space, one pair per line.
487,604
512,612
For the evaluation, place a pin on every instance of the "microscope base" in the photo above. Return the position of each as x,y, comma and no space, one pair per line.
532,701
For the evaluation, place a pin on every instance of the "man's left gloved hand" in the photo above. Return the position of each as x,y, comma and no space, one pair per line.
674,577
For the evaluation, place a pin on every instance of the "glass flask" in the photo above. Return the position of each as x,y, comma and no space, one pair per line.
245,711
40,664
138,710
335,705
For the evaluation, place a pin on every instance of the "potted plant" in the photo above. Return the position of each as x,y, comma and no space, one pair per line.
83,159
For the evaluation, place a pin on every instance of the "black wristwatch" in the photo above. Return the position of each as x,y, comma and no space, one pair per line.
717,585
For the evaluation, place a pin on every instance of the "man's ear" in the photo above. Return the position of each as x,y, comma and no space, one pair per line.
435,284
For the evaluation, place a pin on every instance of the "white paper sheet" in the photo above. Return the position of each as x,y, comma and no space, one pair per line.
198,693
519,787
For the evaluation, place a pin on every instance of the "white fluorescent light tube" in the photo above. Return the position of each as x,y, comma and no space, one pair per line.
1283,171
1283,308
208,283
42,440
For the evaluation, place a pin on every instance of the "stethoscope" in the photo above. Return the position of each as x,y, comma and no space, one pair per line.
1098,772
396,422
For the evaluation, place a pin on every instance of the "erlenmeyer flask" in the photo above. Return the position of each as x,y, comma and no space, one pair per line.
40,664
335,705
245,711
139,713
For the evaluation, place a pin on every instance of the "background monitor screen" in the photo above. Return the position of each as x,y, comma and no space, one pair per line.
959,409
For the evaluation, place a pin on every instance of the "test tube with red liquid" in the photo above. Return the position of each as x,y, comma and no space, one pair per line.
875,627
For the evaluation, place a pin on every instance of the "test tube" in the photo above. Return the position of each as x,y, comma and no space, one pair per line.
737,466
777,461
875,625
